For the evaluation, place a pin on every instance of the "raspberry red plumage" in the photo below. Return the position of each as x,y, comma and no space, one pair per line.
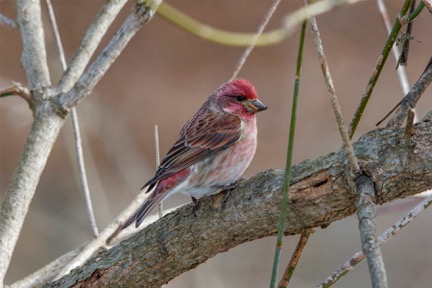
213,149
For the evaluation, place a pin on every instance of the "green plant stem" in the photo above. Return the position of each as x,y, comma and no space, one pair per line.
287,176
416,12
378,68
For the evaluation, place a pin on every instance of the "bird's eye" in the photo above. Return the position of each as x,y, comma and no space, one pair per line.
240,98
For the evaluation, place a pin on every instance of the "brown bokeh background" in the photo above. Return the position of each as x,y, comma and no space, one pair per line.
162,77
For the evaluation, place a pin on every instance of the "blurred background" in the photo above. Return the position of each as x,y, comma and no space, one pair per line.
162,78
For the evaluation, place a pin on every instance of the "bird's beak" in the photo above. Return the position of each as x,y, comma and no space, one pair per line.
255,106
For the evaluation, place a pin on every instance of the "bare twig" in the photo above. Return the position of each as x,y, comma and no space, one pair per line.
409,129
355,168
289,271
405,40
141,13
314,9
403,79
348,266
367,227
10,23
76,128
82,172
17,90
411,99
91,40
428,4
254,40
384,237
106,236
378,68
156,135
366,214
389,113
47,272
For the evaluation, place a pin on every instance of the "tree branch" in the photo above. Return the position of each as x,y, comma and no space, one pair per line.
48,117
141,13
32,160
24,181
320,194
34,54
10,23
89,43
366,215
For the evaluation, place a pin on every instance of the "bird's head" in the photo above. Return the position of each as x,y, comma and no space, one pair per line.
238,97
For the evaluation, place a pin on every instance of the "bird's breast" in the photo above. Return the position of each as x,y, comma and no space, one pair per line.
225,167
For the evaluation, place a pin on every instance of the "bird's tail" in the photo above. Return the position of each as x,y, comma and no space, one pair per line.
139,216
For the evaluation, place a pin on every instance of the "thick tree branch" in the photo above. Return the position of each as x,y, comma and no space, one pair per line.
25,178
141,13
48,117
34,54
320,194
24,181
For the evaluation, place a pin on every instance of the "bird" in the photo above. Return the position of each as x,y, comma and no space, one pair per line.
212,151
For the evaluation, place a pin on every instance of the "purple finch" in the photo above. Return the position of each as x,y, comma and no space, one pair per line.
213,149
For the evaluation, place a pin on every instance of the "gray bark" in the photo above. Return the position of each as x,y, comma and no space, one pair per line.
321,193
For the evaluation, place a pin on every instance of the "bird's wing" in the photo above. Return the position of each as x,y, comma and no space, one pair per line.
203,135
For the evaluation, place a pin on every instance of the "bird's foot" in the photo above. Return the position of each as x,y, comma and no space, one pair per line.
226,188
195,204
226,191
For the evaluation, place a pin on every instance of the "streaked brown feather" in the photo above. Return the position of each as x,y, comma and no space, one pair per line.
203,135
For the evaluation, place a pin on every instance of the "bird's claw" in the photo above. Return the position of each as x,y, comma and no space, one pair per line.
226,188
195,204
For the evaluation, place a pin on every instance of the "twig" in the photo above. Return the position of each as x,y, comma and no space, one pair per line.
47,272
384,237
254,40
288,165
366,214
403,79
10,23
314,9
140,14
17,89
378,68
389,113
304,237
106,236
411,99
401,70
156,135
352,159
76,129
91,40
406,39
409,129
428,4
367,226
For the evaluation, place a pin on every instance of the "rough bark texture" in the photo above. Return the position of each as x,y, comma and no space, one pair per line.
40,140
321,193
